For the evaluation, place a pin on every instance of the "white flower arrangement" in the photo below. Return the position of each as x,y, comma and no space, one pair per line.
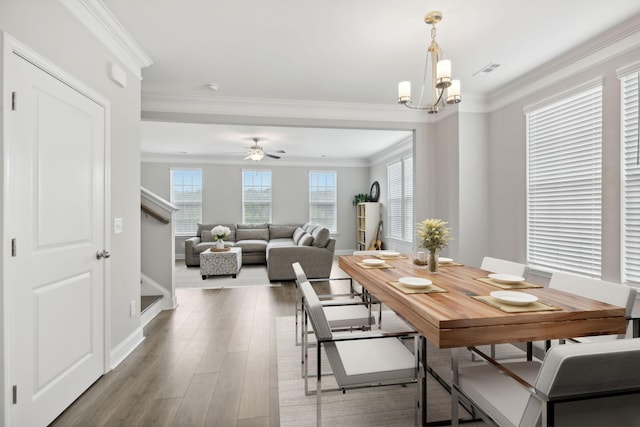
433,234
220,232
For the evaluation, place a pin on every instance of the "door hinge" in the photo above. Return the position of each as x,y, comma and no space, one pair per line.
15,394
13,248
13,101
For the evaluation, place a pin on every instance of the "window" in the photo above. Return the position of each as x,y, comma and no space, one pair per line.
630,152
186,195
322,199
400,224
564,184
256,196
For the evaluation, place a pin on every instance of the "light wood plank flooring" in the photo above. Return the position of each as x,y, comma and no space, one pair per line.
210,362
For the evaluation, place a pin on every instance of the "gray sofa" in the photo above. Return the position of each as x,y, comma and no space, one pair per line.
276,245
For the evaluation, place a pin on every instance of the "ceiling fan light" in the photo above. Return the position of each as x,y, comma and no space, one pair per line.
256,155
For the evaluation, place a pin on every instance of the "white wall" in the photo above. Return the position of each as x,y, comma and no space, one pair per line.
222,193
49,29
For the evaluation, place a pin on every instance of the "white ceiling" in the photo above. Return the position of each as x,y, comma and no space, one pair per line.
348,51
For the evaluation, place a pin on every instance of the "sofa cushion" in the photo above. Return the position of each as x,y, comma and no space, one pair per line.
252,245
321,237
252,234
252,226
281,231
305,240
297,234
280,243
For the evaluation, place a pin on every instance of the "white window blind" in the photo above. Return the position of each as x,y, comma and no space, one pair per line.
400,224
186,195
564,184
323,199
256,196
630,180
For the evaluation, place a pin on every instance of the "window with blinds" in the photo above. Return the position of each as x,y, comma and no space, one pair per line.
400,224
630,179
186,195
564,184
256,196
323,199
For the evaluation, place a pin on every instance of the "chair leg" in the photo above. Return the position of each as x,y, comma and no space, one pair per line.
319,386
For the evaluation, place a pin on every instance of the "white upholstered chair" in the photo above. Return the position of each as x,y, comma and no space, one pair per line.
502,266
358,359
591,384
599,290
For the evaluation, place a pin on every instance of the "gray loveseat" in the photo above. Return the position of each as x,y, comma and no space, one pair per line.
276,245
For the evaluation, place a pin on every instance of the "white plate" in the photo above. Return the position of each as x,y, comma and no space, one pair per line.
443,260
414,282
514,298
389,253
506,278
373,261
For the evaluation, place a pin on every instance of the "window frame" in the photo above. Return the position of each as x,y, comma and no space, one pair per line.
244,195
333,228
406,225
179,231
564,225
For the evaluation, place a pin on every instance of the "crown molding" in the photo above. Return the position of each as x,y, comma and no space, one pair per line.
99,20
211,104
608,45
186,159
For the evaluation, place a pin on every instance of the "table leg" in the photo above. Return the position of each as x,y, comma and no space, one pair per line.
423,380
636,327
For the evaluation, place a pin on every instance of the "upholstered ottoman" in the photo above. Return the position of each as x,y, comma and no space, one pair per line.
220,263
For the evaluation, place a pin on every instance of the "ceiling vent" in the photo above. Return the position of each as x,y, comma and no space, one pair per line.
484,71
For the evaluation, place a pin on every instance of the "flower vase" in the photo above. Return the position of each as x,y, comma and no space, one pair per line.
219,244
433,262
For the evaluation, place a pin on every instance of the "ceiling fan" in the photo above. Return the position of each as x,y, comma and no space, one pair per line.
256,152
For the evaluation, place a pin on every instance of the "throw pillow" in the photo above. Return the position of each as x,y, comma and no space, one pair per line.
297,235
321,237
306,240
311,227
207,236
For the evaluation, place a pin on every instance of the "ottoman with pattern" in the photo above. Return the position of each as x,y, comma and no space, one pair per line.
220,263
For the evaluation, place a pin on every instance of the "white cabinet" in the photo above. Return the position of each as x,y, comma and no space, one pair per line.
368,224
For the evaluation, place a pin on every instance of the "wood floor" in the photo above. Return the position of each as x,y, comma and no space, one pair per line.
210,362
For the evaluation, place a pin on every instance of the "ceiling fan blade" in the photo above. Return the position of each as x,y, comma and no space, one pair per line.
272,156
248,157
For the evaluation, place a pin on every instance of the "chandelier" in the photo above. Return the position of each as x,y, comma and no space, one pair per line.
441,81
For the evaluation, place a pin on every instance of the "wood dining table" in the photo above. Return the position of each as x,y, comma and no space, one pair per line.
454,317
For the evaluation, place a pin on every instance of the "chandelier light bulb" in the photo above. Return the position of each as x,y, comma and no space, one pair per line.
404,92
453,93
443,74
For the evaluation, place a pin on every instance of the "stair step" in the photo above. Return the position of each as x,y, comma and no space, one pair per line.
146,301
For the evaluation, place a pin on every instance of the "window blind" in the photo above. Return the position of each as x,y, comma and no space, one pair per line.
564,184
186,195
323,199
394,201
630,180
400,224
256,196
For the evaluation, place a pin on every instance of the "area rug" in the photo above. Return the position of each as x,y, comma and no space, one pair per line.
379,406
250,275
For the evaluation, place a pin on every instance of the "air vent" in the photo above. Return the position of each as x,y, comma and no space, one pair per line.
484,71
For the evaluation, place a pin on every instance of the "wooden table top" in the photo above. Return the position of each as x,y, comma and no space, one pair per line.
454,319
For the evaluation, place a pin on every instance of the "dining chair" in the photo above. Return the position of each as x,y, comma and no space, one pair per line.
591,384
599,290
343,311
357,359
502,266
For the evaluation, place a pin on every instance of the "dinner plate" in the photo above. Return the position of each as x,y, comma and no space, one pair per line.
514,298
414,282
389,253
443,260
373,261
506,278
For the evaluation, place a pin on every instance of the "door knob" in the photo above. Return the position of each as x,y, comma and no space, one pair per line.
103,254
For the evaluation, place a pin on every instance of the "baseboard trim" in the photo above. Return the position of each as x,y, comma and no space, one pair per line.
126,347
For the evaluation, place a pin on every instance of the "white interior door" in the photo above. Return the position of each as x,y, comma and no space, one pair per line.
56,175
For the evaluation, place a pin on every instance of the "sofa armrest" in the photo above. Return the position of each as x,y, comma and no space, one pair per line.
191,259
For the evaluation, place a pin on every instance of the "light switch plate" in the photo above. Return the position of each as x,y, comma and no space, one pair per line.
117,226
